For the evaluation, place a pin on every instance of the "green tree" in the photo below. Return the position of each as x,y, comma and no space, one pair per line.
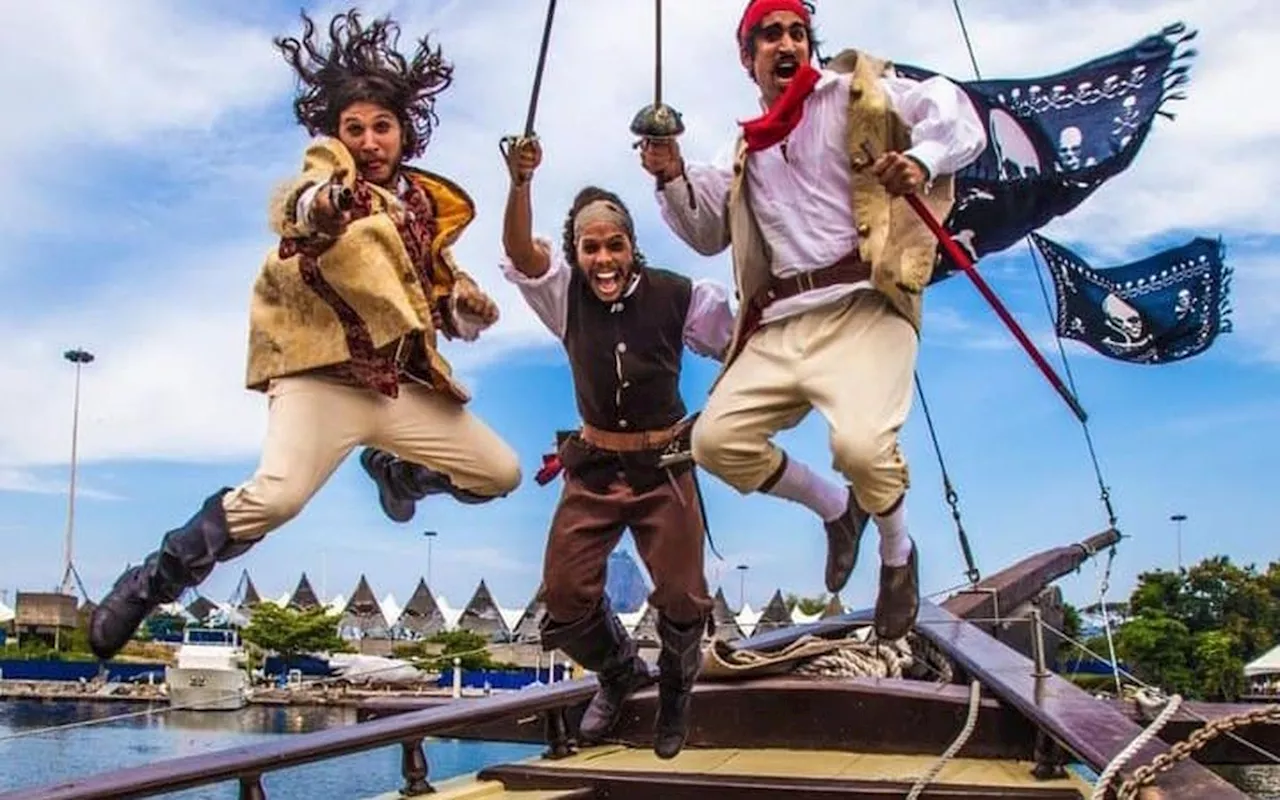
1157,648
438,651
290,633
1217,616
1219,668
807,605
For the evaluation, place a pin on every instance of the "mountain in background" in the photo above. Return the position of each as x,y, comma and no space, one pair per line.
625,583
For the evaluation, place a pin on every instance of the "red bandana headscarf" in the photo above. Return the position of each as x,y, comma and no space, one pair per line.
782,117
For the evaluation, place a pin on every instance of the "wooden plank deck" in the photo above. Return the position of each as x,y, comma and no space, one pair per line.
1093,730
776,773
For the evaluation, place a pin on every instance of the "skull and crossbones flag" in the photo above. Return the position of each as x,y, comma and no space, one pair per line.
1053,140
1166,307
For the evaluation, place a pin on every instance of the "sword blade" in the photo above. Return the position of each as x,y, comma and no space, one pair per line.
657,54
537,75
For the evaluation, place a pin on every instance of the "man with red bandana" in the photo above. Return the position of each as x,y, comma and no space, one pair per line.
830,263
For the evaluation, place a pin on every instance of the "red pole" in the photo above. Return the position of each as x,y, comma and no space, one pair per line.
961,258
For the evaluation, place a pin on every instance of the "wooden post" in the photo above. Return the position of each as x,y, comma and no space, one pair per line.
413,765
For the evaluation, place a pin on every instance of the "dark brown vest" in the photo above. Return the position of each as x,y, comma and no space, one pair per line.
639,338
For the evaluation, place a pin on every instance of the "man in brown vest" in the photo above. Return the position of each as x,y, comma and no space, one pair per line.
344,317
829,263
624,325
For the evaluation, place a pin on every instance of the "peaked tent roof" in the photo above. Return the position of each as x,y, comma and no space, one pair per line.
727,627
363,613
304,597
422,613
1266,664
483,616
834,607
529,628
775,614
201,609
647,628
249,596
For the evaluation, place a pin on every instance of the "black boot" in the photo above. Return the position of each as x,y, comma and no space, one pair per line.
678,667
185,558
844,538
599,643
401,484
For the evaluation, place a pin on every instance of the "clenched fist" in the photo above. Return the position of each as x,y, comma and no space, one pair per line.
326,215
661,158
523,157
899,174
470,300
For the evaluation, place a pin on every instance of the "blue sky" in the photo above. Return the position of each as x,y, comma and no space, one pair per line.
139,173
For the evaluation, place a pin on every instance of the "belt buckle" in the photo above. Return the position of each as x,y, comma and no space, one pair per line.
805,282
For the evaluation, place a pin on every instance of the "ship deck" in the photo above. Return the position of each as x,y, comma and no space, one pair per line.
621,772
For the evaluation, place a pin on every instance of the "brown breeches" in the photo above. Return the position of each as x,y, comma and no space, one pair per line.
668,530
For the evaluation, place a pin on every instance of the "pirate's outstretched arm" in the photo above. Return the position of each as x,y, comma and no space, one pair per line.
693,198
538,271
530,257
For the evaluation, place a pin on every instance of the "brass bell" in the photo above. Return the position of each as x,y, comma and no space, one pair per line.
657,121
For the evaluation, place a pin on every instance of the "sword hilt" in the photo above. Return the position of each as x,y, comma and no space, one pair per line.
667,460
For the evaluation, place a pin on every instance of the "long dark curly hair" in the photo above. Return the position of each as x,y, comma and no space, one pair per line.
362,64
587,195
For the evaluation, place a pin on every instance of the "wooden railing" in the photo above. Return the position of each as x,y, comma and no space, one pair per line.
248,764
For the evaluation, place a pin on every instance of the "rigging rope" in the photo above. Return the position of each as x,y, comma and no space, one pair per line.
953,499
1104,491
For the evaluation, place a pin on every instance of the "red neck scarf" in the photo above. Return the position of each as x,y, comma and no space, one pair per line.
784,115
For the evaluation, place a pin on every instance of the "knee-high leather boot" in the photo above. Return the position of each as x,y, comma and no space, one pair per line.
401,484
678,667
599,643
185,558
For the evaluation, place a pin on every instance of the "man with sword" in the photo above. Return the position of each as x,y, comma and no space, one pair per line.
830,263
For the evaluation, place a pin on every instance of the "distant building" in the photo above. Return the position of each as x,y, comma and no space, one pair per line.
44,615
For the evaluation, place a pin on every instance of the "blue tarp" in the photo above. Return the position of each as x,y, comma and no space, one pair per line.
41,670
499,679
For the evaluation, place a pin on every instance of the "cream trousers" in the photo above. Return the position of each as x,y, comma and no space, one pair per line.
853,361
314,423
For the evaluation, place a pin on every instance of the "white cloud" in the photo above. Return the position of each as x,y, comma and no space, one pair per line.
152,83
13,480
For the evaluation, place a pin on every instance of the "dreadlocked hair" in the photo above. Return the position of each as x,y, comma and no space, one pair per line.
362,64
588,195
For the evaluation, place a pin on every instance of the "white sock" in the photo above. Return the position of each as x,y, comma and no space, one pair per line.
800,484
895,544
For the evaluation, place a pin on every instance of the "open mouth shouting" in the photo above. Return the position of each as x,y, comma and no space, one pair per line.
607,283
785,68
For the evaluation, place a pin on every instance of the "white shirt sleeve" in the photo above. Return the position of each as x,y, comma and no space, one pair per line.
946,132
702,224
547,294
708,324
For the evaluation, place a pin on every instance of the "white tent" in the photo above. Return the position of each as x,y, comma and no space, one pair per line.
1266,664
6,613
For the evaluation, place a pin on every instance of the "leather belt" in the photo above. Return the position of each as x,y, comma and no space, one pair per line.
631,442
850,269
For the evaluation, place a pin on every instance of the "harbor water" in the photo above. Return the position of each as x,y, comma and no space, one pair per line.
53,743
46,750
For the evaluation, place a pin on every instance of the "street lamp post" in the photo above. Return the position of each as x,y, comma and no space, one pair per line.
431,535
742,586
79,358
1177,520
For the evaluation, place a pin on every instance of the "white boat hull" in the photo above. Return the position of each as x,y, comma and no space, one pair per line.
201,689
